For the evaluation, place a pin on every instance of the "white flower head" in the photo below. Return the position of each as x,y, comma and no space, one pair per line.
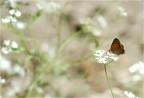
17,13
138,67
129,94
6,50
9,46
19,25
6,20
2,80
103,57
122,11
12,12
14,44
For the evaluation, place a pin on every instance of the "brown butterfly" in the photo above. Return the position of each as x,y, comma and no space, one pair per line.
117,47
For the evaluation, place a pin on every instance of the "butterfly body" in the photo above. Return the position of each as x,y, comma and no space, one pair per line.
117,47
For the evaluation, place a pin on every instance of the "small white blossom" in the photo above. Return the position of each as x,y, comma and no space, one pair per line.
9,46
129,94
51,7
18,69
6,20
138,67
6,50
122,11
90,25
13,19
2,80
102,21
19,25
103,57
12,12
112,56
5,64
14,44
7,42
17,13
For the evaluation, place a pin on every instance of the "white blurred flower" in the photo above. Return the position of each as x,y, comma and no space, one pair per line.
104,57
9,46
122,11
6,50
51,7
129,94
15,12
112,56
48,49
6,20
2,81
7,42
12,12
102,21
9,19
19,70
19,25
14,44
5,65
12,3
13,19
138,67
90,25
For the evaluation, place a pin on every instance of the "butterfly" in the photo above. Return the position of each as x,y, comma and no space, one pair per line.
117,47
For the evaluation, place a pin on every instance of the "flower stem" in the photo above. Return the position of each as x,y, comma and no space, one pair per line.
108,81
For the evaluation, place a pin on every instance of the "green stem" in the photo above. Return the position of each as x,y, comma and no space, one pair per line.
108,80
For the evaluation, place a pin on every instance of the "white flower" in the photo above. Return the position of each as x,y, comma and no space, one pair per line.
17,13
122,11
99,53
19,25
112,56
12,12
14,44
129,94
2,80
51,7
6,20
90,25
138,67
6,50
13,19
7,42
5,64
9,46
103,57
18,69
102,21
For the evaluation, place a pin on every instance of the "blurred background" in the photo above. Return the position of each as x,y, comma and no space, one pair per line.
48,46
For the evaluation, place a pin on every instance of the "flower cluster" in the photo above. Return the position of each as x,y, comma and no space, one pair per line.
2,80
51,7
94,25
12,18
122,11
9,46
104,57
129,94
138,67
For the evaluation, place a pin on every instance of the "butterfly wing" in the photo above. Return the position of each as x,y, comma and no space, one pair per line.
117,47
